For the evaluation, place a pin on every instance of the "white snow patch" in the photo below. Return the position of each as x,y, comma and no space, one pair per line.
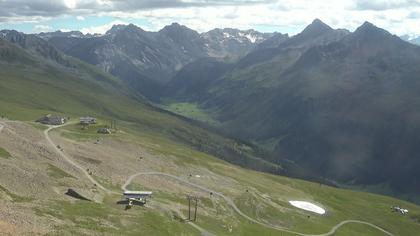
307,206
250,37
226,35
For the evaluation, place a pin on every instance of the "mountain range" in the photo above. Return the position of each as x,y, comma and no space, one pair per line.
37,79
147,60
342,104
326,103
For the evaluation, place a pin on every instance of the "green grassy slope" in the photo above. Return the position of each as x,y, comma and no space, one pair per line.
347,110
32,86
266,199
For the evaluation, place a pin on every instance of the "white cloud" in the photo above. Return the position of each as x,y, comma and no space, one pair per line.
41,28
101,29
70,3
380,5
287,16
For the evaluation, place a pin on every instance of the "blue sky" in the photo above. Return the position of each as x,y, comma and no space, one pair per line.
287,16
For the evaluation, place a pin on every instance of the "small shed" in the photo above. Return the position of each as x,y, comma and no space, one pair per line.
104,131
87,120
137,195
52,120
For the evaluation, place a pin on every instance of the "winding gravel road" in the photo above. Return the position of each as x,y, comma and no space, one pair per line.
73,163
202,231
233,205
199,187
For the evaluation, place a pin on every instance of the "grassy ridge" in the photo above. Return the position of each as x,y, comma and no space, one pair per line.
32,86
268,195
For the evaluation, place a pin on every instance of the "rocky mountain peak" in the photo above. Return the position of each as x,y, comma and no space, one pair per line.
316,28
370,34
369,28
126,28
175,29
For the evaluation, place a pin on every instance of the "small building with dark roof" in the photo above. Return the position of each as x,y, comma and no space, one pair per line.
87,120
52,120
104,131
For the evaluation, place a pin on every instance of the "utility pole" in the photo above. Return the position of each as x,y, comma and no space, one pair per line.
195,211
189,197
189,207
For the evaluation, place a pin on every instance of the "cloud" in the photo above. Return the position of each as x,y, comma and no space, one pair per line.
14,8
380,5
414,15
101,29
161,4
10,9
286,16
42,28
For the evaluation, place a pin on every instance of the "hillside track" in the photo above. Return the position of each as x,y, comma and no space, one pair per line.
86,174
228,200
70,160
231,203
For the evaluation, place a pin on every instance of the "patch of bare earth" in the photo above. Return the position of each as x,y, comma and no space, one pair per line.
25,182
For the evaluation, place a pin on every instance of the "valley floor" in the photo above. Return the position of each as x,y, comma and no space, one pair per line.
45,162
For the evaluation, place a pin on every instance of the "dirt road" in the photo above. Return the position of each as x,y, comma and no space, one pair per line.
91,179
233,205
228,200
73,163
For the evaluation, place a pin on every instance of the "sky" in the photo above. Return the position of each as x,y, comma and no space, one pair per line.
400,17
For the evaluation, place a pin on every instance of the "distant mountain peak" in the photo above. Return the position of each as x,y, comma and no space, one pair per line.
180,33
175,27
241,36
369,30
367,26
133,27
116,28
318,21
317,27
175,24
121,27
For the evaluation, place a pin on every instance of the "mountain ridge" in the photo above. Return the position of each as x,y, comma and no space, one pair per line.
146,60
325,100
